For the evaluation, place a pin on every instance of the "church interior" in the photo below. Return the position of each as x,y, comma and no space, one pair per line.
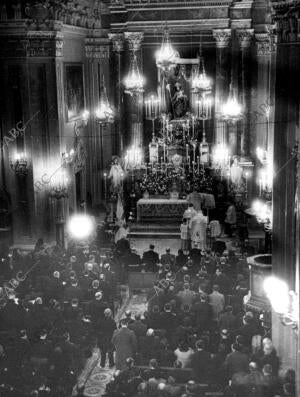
149,198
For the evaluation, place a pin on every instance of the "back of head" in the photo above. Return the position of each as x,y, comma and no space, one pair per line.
107,313
253,366
267,369
153,363
200,344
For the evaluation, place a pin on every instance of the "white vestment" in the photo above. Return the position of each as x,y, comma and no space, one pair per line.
198,226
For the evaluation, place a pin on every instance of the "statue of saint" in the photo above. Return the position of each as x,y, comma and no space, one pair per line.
116,175
236,172
179,102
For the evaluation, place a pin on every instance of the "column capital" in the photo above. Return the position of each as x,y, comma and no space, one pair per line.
265,44
222,37
117,40
96,48
134,40
244,37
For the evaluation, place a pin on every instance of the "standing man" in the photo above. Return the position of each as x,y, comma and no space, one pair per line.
230,220
151,259
217,302
107,326
125,343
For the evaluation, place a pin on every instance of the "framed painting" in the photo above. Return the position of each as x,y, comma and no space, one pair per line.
74,91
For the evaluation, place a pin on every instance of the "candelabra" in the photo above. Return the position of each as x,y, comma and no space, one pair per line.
20,165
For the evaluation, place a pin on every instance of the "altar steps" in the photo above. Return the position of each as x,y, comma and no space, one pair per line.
155,231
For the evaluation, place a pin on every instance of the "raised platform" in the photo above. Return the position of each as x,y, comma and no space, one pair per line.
160,209
155,230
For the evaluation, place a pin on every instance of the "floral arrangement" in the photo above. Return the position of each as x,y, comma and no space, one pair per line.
160,182
154,183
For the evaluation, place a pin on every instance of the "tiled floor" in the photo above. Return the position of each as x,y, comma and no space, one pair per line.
97,381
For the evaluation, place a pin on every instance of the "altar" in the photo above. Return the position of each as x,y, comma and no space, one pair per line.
160,209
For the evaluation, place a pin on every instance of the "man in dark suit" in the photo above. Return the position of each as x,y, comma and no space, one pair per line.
151,259
105,329
200,363
137,326
167,258
125,343
236,362
132,261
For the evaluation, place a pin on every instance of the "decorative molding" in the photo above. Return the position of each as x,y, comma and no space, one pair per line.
222,37
96,49
265,44
134,40
286,16
39,13
245,37
117,41
33,44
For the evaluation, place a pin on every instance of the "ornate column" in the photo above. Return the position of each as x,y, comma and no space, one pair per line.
118,49
245,38
97,54
134,40
222,37
263,122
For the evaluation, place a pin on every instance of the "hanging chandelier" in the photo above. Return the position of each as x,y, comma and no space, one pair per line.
134,81
166,56
104,113
200,82
231,110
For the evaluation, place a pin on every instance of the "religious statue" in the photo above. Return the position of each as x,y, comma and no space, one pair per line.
179,101
116,175
236,172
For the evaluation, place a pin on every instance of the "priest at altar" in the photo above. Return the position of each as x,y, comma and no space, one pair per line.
201,200
198,226
189,213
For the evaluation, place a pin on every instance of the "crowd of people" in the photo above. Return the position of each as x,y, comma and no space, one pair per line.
54,307
196,335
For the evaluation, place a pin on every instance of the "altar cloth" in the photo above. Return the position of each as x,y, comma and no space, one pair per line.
161,209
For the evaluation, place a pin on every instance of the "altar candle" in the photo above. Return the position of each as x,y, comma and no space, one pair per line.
193,127
194,153
260,187
187,151
198,161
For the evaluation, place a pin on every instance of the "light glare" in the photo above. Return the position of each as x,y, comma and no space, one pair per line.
80,226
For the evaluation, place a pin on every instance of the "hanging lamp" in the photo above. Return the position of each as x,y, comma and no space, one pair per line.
231,110
166,56
104,113
134,81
